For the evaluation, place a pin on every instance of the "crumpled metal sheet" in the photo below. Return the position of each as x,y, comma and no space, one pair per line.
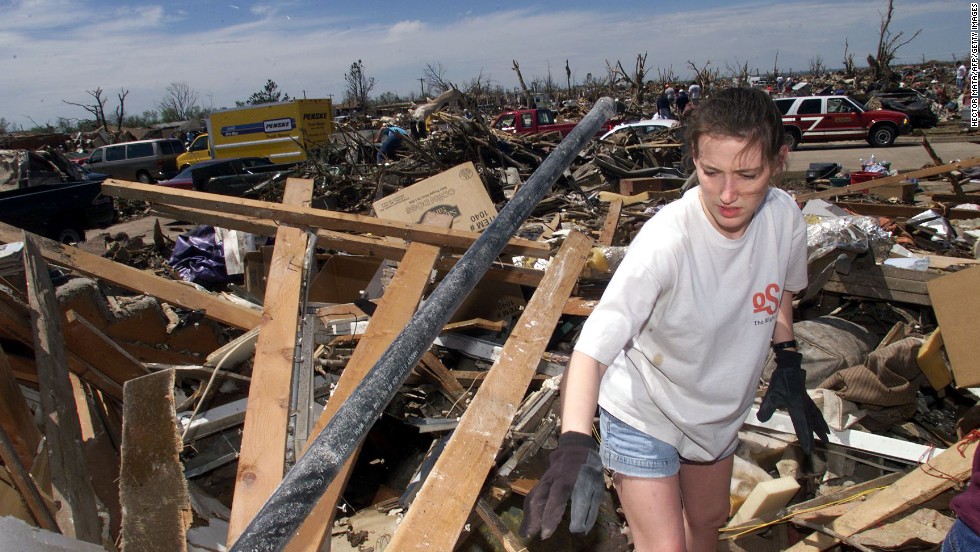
849,233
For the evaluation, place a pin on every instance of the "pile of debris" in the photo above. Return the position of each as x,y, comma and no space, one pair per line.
142,412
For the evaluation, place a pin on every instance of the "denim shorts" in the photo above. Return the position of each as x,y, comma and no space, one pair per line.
628,451
961,539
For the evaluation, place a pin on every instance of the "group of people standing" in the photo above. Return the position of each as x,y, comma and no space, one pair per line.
675,103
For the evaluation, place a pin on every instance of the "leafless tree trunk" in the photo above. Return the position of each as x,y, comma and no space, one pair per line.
359,85
520,80
568,79
888,45
738,72
121,108
97,109
848,61
817,66
179,99
704,75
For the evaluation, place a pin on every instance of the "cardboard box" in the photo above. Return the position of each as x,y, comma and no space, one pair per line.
345,278
956,300
458,192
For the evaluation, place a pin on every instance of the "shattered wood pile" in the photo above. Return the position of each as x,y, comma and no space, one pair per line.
170,413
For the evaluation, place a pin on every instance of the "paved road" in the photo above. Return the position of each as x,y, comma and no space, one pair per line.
907,154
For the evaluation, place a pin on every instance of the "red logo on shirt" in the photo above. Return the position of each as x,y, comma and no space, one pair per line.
767,302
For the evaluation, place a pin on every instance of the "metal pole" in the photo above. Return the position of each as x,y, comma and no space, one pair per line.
279,518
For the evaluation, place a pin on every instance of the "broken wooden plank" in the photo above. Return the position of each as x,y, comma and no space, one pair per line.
94,347
71,485
350,243
318,218
861,187
611,222
25,484
949,176
883,282
152,489
449,493
941,473
16,418
262,461
139,281
394,311
900,211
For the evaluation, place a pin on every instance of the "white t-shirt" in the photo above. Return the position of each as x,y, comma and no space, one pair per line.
961,72
686,321
694,91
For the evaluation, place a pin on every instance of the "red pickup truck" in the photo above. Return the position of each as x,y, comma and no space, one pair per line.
534,121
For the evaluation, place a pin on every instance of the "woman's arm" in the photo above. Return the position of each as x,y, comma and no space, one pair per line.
784,320
580,393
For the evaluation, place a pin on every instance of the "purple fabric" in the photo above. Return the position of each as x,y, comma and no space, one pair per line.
967,504
198,258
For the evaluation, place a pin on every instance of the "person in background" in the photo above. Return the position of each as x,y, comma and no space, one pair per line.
682,100
663,106
961,77
673,352
694,93
390,136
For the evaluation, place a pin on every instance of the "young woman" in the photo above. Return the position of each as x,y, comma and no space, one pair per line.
673,352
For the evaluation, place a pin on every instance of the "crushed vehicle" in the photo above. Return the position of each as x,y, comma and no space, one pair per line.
912,103
285,132
832,118
45,193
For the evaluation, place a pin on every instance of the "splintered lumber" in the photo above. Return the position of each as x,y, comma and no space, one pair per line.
71,486
25,484
439,512
860,187
901,211
612,220
953,180
395,309
883,282
96,348
941,473
262,461
152,488
15,318
310,216
139,281
16,419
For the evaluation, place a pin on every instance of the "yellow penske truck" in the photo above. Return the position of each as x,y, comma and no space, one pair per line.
284,132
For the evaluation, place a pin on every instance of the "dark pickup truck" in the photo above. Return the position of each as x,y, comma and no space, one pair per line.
44,193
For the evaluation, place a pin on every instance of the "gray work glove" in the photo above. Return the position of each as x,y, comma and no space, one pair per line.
574,471
787,391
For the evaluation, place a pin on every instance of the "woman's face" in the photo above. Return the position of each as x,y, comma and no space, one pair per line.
734,181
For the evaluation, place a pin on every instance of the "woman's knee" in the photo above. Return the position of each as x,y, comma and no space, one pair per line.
707,516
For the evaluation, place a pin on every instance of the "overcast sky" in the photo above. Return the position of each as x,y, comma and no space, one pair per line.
55,50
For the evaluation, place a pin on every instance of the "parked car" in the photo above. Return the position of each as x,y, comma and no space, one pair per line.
45,193
236,177
641,128
832,118
145,161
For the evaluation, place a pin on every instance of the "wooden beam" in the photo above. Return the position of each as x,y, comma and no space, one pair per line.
25,484
349,243
152,488
612,221
16,418
900,211
262,461
94,347
394,311
886,283
448,495
139,281
72,487
941,473
952,178
318,218
921,173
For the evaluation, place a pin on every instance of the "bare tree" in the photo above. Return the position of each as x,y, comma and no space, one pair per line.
775,67
739,72
520,80
97,109
848,61
568,79
359,85
705,76
178,101
636,78
888,45
817,67
434,76
121,108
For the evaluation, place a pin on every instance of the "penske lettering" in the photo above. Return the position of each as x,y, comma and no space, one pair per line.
279,125
314,116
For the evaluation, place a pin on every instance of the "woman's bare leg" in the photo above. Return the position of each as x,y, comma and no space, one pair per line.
653,512
705,491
